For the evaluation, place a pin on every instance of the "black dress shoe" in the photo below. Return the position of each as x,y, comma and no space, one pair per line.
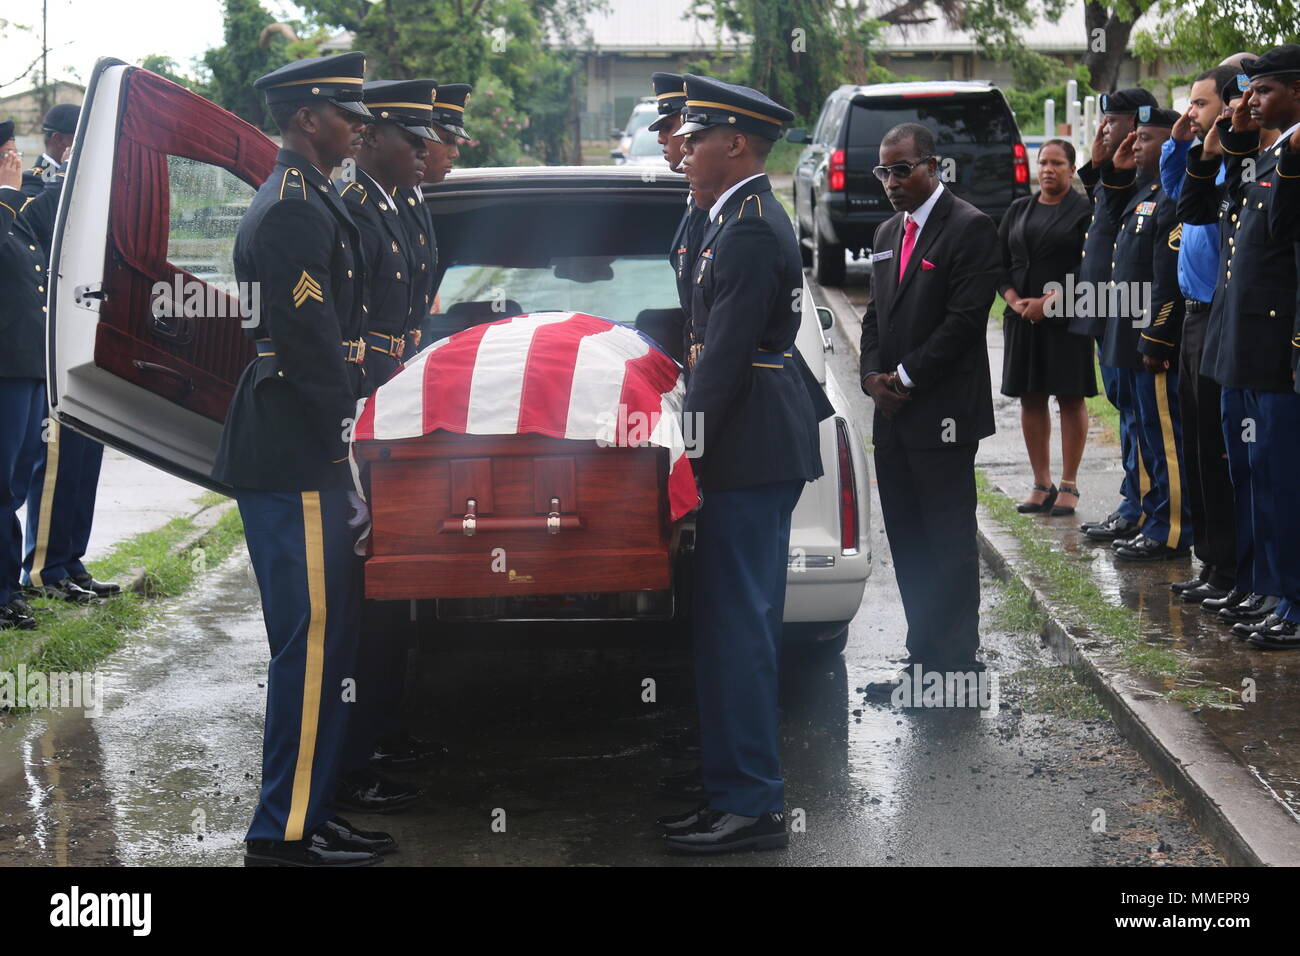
1087,525
717,832
65,590
13,618
1231,599
322,848
1148,549
1118,543
406,752
1203,592
688,784
680,822
1112,528
1282,636
366,791
346,836
20,604
1182,587
100,588
1254,608
1245,629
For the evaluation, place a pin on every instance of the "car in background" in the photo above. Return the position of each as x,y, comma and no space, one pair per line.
643,114
143,194
839,203
646,151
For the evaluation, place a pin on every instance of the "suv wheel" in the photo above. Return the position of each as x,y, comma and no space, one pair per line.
827,259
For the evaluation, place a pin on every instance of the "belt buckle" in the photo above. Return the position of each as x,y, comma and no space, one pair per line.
415,337
399,345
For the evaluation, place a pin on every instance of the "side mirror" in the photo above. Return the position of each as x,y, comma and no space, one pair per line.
796,136
616,134
826,317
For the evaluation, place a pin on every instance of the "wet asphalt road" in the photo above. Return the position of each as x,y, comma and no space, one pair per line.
547,730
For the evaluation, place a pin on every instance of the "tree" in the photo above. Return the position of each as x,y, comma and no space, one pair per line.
1205,33
234,66
167,67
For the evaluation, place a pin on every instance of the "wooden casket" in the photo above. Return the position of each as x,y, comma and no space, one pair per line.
458,516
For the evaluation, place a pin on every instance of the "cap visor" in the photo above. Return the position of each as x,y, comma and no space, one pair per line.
661,122
457,130
421,131
354,106
691,128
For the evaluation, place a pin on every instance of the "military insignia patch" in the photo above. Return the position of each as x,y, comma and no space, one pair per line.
1146,208
307,288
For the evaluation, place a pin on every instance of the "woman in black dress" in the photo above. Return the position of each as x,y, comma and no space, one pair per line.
1042,242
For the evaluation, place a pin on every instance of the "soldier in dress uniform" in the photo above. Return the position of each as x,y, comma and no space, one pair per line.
284,451
1248,348
64,480
760,445
1118,111
1142,343
23,264
389,164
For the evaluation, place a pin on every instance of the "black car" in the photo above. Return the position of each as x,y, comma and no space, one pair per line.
839,203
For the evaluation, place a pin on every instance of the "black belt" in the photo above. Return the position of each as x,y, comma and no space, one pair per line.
1196,305
354,351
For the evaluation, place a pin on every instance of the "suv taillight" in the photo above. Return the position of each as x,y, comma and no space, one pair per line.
1020,163
835,182
848,490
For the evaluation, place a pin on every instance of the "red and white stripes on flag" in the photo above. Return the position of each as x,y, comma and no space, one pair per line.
562,374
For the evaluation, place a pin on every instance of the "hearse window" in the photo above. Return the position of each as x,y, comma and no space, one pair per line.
207,203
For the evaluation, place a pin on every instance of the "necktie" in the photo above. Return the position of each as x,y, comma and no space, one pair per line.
909,243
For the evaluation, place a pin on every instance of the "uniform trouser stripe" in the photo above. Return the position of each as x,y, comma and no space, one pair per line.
1171,459
47,505
314,537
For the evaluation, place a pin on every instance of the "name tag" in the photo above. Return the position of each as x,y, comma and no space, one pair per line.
880,256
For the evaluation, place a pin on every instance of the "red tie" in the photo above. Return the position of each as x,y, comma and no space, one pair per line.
909,243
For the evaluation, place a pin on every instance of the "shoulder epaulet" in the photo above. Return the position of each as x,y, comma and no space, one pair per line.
361,191
27,202
754,196
293,185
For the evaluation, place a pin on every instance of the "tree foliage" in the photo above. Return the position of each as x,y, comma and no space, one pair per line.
1205,33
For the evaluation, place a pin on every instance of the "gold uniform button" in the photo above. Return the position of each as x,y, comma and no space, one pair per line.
1259,205
1231,240
1243,202
38,268
399,275
1085,235
421,266
1229,273
40,288
1272,313
44,309
349,273
1234,217
1085,254
33,248
421,238
394,245
410,201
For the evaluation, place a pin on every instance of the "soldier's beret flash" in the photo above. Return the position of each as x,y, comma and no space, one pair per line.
335,79
407,103
711,102
1126,101
1280,59
670,96
61,118
1151,116
1234,87
449,107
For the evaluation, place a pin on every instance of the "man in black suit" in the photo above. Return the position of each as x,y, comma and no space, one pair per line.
924,363
760,445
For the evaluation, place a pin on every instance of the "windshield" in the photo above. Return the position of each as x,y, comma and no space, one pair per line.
974,120
614,288
646,143
641,118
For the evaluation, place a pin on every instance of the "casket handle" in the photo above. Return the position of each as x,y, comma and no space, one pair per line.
470,522
553,519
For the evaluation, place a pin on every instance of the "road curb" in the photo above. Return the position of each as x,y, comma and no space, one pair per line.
1234,813
206,519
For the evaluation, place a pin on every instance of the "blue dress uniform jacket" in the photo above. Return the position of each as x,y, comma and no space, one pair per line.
1252,321
390,285
1145,254
23,261
1284,224
756,414
288,422
417,220
1094,267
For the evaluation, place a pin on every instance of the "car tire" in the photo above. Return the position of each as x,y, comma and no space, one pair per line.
827,259
805,253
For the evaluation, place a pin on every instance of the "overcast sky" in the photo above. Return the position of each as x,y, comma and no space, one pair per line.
81,31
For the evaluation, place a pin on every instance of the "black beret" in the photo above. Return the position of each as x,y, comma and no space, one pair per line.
1153,116
6,131
711,102
1280,59
62,118
670,96
335,79
1236,86
1126,101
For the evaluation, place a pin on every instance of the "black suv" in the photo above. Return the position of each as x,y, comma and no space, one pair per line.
839,203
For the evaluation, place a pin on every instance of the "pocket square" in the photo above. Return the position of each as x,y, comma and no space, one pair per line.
926,265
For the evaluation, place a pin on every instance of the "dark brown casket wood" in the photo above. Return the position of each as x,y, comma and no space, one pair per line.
614,529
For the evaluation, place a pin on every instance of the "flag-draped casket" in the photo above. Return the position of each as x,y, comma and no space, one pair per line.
541,454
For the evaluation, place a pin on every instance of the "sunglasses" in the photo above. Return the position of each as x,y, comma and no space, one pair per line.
898,170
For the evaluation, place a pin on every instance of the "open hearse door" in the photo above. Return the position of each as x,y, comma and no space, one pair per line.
145,342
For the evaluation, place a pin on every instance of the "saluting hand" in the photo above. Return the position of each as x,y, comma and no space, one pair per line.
11,169
1184,130
1124,158
1241,118
1099,146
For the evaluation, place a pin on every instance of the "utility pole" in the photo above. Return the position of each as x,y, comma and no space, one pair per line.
44,97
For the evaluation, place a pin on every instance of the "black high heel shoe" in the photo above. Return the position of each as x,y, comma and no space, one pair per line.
1060,510
1030,509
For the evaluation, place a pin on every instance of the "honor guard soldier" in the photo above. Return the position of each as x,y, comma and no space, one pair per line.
1142,343
58,127
670,97
760,445
1248,348
284,451
1118,111
448,128
389,164
23,265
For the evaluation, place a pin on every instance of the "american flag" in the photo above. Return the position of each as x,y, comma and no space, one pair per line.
562,374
